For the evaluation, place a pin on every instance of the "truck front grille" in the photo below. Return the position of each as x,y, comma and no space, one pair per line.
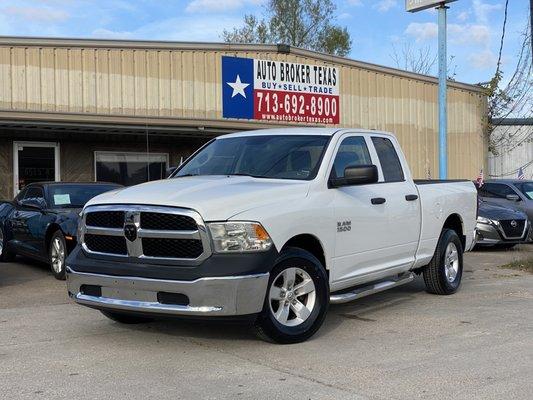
105,219
513,232
167,222
106,244
172,248
145,232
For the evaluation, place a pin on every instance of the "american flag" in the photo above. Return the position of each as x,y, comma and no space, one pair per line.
521,173
479,179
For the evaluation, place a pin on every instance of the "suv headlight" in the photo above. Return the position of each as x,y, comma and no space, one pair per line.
235,237
486,221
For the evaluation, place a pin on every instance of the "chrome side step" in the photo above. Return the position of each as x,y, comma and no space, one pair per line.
371,289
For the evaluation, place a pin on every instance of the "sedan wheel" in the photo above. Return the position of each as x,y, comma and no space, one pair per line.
5,254
58,254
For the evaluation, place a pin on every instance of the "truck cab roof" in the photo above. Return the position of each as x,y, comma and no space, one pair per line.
304,131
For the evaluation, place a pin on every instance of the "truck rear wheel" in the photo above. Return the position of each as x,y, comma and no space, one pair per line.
296,300
444,272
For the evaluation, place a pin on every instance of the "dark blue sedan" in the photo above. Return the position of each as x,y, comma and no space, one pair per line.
41,222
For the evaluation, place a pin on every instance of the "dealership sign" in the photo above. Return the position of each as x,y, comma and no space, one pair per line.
279,91
419,5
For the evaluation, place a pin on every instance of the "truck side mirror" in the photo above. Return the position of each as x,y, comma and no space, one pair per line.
170,171
513,197
359,175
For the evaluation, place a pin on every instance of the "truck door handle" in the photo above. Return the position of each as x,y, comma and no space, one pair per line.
378,200
411,197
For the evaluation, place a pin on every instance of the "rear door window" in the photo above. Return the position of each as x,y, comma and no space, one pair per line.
389,160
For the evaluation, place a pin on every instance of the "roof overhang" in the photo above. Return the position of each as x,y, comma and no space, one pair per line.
124,125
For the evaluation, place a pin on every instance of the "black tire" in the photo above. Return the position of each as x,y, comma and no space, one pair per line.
267,327
6,255
435,276
125,318
57,265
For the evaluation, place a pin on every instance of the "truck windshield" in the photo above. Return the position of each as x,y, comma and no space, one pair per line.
275,156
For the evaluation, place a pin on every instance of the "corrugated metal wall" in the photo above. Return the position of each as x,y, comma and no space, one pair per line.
187,84
514,146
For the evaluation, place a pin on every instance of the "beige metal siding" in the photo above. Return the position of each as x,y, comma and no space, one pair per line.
514,145
186,83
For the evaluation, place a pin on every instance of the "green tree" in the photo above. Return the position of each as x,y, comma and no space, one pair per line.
301,23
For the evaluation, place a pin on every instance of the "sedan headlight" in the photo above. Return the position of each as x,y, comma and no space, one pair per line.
486,221
235,237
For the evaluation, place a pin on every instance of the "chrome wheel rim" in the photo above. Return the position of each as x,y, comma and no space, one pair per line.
451,262
1,241
57,255
292,297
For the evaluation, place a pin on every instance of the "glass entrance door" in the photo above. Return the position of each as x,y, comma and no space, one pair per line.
34,162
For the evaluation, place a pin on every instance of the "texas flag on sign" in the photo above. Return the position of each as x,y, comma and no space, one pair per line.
238,87
279,91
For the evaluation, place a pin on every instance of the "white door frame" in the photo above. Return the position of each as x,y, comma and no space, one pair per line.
17,144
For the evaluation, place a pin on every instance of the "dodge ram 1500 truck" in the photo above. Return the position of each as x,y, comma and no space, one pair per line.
272,224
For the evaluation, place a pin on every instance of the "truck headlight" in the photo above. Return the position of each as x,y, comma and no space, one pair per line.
486,221
235,237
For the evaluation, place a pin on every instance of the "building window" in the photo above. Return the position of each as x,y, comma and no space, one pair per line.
129,168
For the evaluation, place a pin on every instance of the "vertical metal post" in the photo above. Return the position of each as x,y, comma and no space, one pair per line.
443,72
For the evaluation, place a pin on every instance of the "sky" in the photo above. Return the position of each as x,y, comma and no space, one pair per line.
375,26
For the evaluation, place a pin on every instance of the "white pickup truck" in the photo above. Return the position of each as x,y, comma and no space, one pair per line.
275,225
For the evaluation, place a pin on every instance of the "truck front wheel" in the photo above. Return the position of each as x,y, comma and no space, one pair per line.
444,272
296,300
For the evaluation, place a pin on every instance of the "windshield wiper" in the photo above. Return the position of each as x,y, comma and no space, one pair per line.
243,174
235,174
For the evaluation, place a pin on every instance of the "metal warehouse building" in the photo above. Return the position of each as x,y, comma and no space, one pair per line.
513,142
122,111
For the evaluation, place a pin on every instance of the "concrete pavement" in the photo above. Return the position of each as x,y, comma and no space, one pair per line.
400,344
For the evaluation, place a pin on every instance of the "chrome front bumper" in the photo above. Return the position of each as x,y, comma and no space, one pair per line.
219,296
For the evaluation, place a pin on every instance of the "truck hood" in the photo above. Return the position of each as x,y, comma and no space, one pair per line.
216,197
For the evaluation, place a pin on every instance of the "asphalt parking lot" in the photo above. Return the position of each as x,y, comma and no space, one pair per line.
400,344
